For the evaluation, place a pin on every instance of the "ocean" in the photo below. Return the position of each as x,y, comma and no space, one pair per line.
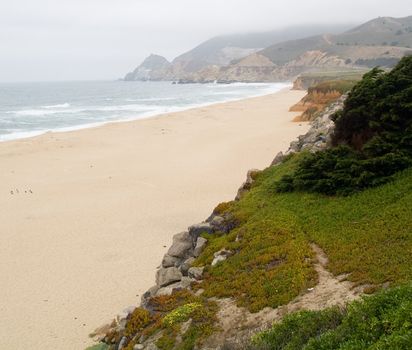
30,109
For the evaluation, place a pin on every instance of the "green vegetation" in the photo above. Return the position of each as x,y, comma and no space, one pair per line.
166,317
368,235
182,307
372,138
139,319
325,87
382,321
181,314
100,346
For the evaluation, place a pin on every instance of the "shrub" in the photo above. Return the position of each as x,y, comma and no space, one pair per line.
372,138
138,320
180,314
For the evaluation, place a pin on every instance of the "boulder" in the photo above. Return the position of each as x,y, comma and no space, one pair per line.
247,184
186,265
221,255
166,276
278,159
122,343
168,290
200,245
182,244
218,223
169,261
196,272
149,294
196,230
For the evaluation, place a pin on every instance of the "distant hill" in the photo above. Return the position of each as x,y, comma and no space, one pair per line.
375,39
284,54
152,67
222,50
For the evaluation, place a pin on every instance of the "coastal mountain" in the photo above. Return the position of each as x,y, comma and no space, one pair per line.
153,67
221,51
283,55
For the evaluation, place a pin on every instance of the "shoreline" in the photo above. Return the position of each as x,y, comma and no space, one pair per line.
96,208
143,116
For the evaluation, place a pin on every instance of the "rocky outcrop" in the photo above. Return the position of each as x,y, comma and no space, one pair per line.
319,135
154,67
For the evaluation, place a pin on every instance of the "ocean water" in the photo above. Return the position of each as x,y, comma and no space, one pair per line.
30,109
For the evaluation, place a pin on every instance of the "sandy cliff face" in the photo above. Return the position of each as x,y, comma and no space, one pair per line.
259,68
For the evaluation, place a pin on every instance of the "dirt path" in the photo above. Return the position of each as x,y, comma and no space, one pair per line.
238,324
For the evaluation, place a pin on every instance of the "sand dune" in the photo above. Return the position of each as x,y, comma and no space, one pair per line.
86,216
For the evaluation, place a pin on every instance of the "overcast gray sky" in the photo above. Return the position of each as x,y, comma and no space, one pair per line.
103,39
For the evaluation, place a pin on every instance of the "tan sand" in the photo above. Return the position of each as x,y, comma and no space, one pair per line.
86,216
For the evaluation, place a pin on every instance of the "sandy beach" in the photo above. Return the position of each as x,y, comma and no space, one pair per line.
85,216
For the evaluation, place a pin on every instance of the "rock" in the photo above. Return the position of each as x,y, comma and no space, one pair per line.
169,261
247,184
166,276
182,244
151,346
294,146
196,272
221,255
218,223
200,245
149,294
122,343
186,265
185,326
278,159
138,347
196,230
168,290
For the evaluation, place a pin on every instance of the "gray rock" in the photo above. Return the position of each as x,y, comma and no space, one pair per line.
196,272
168,276
186,265
221,255
294,146
122,343
182,244
149,294
151,346
217,222
168,290
200,245
196,230
247,184
169,261
278,159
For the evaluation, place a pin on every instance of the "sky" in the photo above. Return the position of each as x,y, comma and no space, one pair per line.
46,40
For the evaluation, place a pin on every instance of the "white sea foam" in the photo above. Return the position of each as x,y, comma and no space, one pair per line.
63,105
80,115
